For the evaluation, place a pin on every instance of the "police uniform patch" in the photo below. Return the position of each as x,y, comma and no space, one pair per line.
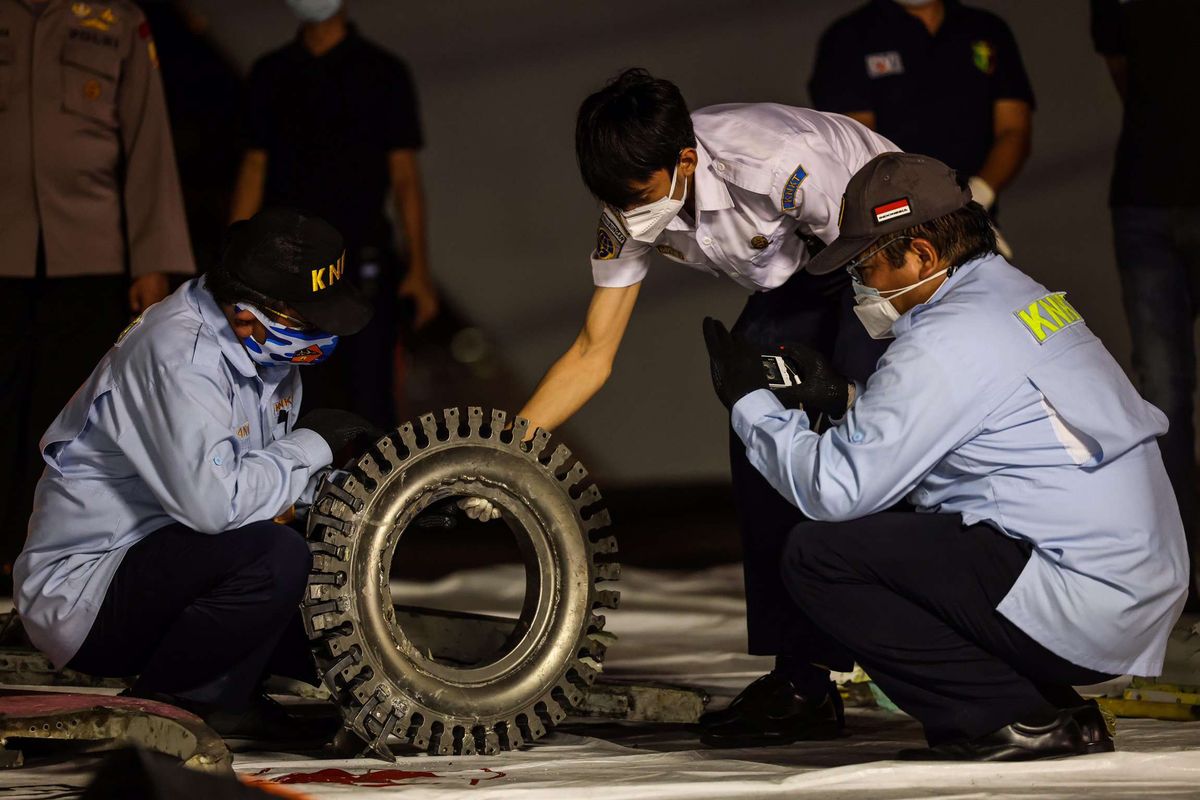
983,55
151,49
610,236
1047,316
789,189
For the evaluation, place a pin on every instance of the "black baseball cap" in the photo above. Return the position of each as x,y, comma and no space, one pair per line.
297,259
892,192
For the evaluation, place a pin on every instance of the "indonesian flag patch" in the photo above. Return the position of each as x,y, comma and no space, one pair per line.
896,208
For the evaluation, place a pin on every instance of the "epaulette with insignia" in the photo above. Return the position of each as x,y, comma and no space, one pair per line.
610,235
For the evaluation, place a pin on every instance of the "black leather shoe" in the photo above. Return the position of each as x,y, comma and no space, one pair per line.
774,712
1096,735
1020,741
752,696
266,723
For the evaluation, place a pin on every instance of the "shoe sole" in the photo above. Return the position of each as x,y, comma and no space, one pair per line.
730,743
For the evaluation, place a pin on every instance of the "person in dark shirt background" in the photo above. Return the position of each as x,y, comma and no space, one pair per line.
1156,215
897,66
332,127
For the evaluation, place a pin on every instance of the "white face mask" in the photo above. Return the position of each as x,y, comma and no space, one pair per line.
646,223
314,10
874,308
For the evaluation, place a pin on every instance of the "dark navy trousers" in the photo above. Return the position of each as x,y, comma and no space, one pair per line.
816,311
204,617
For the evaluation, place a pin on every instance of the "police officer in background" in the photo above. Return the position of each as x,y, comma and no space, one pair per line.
153,549
748,191
893,65
1051,553
91,217
333,128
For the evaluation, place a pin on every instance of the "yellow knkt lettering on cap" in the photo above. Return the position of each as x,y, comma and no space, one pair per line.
1048,315
334,272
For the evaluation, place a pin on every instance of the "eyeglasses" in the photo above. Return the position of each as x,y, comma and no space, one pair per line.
298,324
855,267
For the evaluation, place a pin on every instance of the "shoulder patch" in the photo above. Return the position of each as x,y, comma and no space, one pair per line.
610,236
788,203
1047,316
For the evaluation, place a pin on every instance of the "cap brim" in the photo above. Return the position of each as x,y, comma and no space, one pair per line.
343,313
838,254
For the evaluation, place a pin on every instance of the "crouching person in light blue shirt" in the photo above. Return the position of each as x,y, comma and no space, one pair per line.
1049,551
152,548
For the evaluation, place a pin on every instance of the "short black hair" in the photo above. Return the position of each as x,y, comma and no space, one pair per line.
633,127
958,236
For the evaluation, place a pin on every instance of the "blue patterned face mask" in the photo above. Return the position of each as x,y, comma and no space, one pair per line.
286,346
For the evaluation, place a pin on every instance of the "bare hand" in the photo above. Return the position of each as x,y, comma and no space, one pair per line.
424,297
148,290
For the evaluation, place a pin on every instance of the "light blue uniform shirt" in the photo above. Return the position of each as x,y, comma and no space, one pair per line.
996,402
176,424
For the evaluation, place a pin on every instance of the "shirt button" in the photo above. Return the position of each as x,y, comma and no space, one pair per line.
218,460
720,167
707,240
857,437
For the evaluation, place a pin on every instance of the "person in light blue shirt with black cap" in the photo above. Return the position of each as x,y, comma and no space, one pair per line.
153,548
1050,552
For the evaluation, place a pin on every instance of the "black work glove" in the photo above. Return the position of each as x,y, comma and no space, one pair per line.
736,366
339,429
821,388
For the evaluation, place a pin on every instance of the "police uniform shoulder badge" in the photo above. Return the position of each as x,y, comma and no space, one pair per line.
610,236
1047,316
788,203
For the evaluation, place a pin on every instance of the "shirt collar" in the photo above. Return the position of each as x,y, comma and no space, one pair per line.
909,317
215,318
711,192
897,12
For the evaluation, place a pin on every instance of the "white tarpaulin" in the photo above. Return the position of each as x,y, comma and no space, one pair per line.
689,629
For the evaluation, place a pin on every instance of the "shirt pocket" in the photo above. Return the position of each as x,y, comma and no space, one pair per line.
8,52
90,76
774,242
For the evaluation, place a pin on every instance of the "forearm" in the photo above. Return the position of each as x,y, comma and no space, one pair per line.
248,191
569,384
409,198
1004,160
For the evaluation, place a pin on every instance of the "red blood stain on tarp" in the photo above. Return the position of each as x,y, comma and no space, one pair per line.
381,778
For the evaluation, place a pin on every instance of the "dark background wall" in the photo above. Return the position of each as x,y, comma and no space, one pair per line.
512,225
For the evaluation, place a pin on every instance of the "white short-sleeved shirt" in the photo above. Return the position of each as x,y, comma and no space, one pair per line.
767,175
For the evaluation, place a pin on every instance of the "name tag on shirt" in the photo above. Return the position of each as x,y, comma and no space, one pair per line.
880,65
